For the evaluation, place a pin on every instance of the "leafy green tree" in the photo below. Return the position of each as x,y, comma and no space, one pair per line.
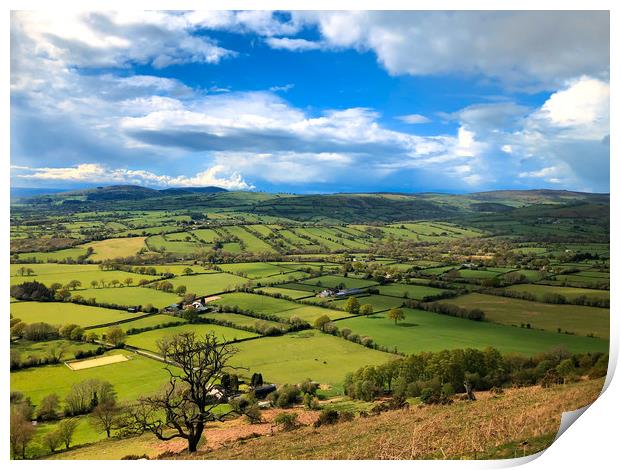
115,335
321,322
52,440
21,432
396,314
352,306
66,429
48,408
366,310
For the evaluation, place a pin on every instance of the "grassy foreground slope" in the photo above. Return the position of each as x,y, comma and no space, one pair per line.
477,429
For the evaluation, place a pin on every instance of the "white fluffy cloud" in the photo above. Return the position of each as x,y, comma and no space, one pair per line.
116,39
538,49
142,121
97,173
414,119
293,44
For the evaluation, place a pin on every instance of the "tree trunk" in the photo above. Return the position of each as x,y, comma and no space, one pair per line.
107,431
194,438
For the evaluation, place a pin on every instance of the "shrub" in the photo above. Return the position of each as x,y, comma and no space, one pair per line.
285,396
288,421
327,417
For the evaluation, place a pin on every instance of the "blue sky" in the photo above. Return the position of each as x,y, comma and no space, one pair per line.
311,101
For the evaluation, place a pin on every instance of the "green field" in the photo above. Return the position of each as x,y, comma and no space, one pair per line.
378,302
529,274
294,357
209,284
427,331
144,322
255,270
573,318
569,293
148,339
58,255
115,248
129,296
409,291
241,320
292,293
130,379
162,243
252,243
42,348
50,273
63,313
333,281
282,308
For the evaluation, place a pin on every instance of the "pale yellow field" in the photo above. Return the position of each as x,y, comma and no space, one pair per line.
96,362
115,248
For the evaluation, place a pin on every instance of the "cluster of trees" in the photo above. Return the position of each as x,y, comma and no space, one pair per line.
447,309
24,271
441,374
93,396
54,355
32,290
38,331
289,395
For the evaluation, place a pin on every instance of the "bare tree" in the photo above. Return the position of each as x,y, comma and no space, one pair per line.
65,430
191,397
21,433
105,416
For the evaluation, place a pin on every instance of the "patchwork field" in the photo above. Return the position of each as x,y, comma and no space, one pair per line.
255,270
51,273
292,293
209,284
295,357
569,293
43,348
241,320
281,308
148,339
57,313
409,291
115,248
333,281
427,331
572,318
130,378
149,321
378,302
130,296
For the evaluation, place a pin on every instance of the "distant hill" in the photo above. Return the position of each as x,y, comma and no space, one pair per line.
113,193
330,208
29,192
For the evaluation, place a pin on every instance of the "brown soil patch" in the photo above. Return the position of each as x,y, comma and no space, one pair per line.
220,434
212,298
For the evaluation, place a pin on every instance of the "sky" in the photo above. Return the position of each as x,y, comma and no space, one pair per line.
311,102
